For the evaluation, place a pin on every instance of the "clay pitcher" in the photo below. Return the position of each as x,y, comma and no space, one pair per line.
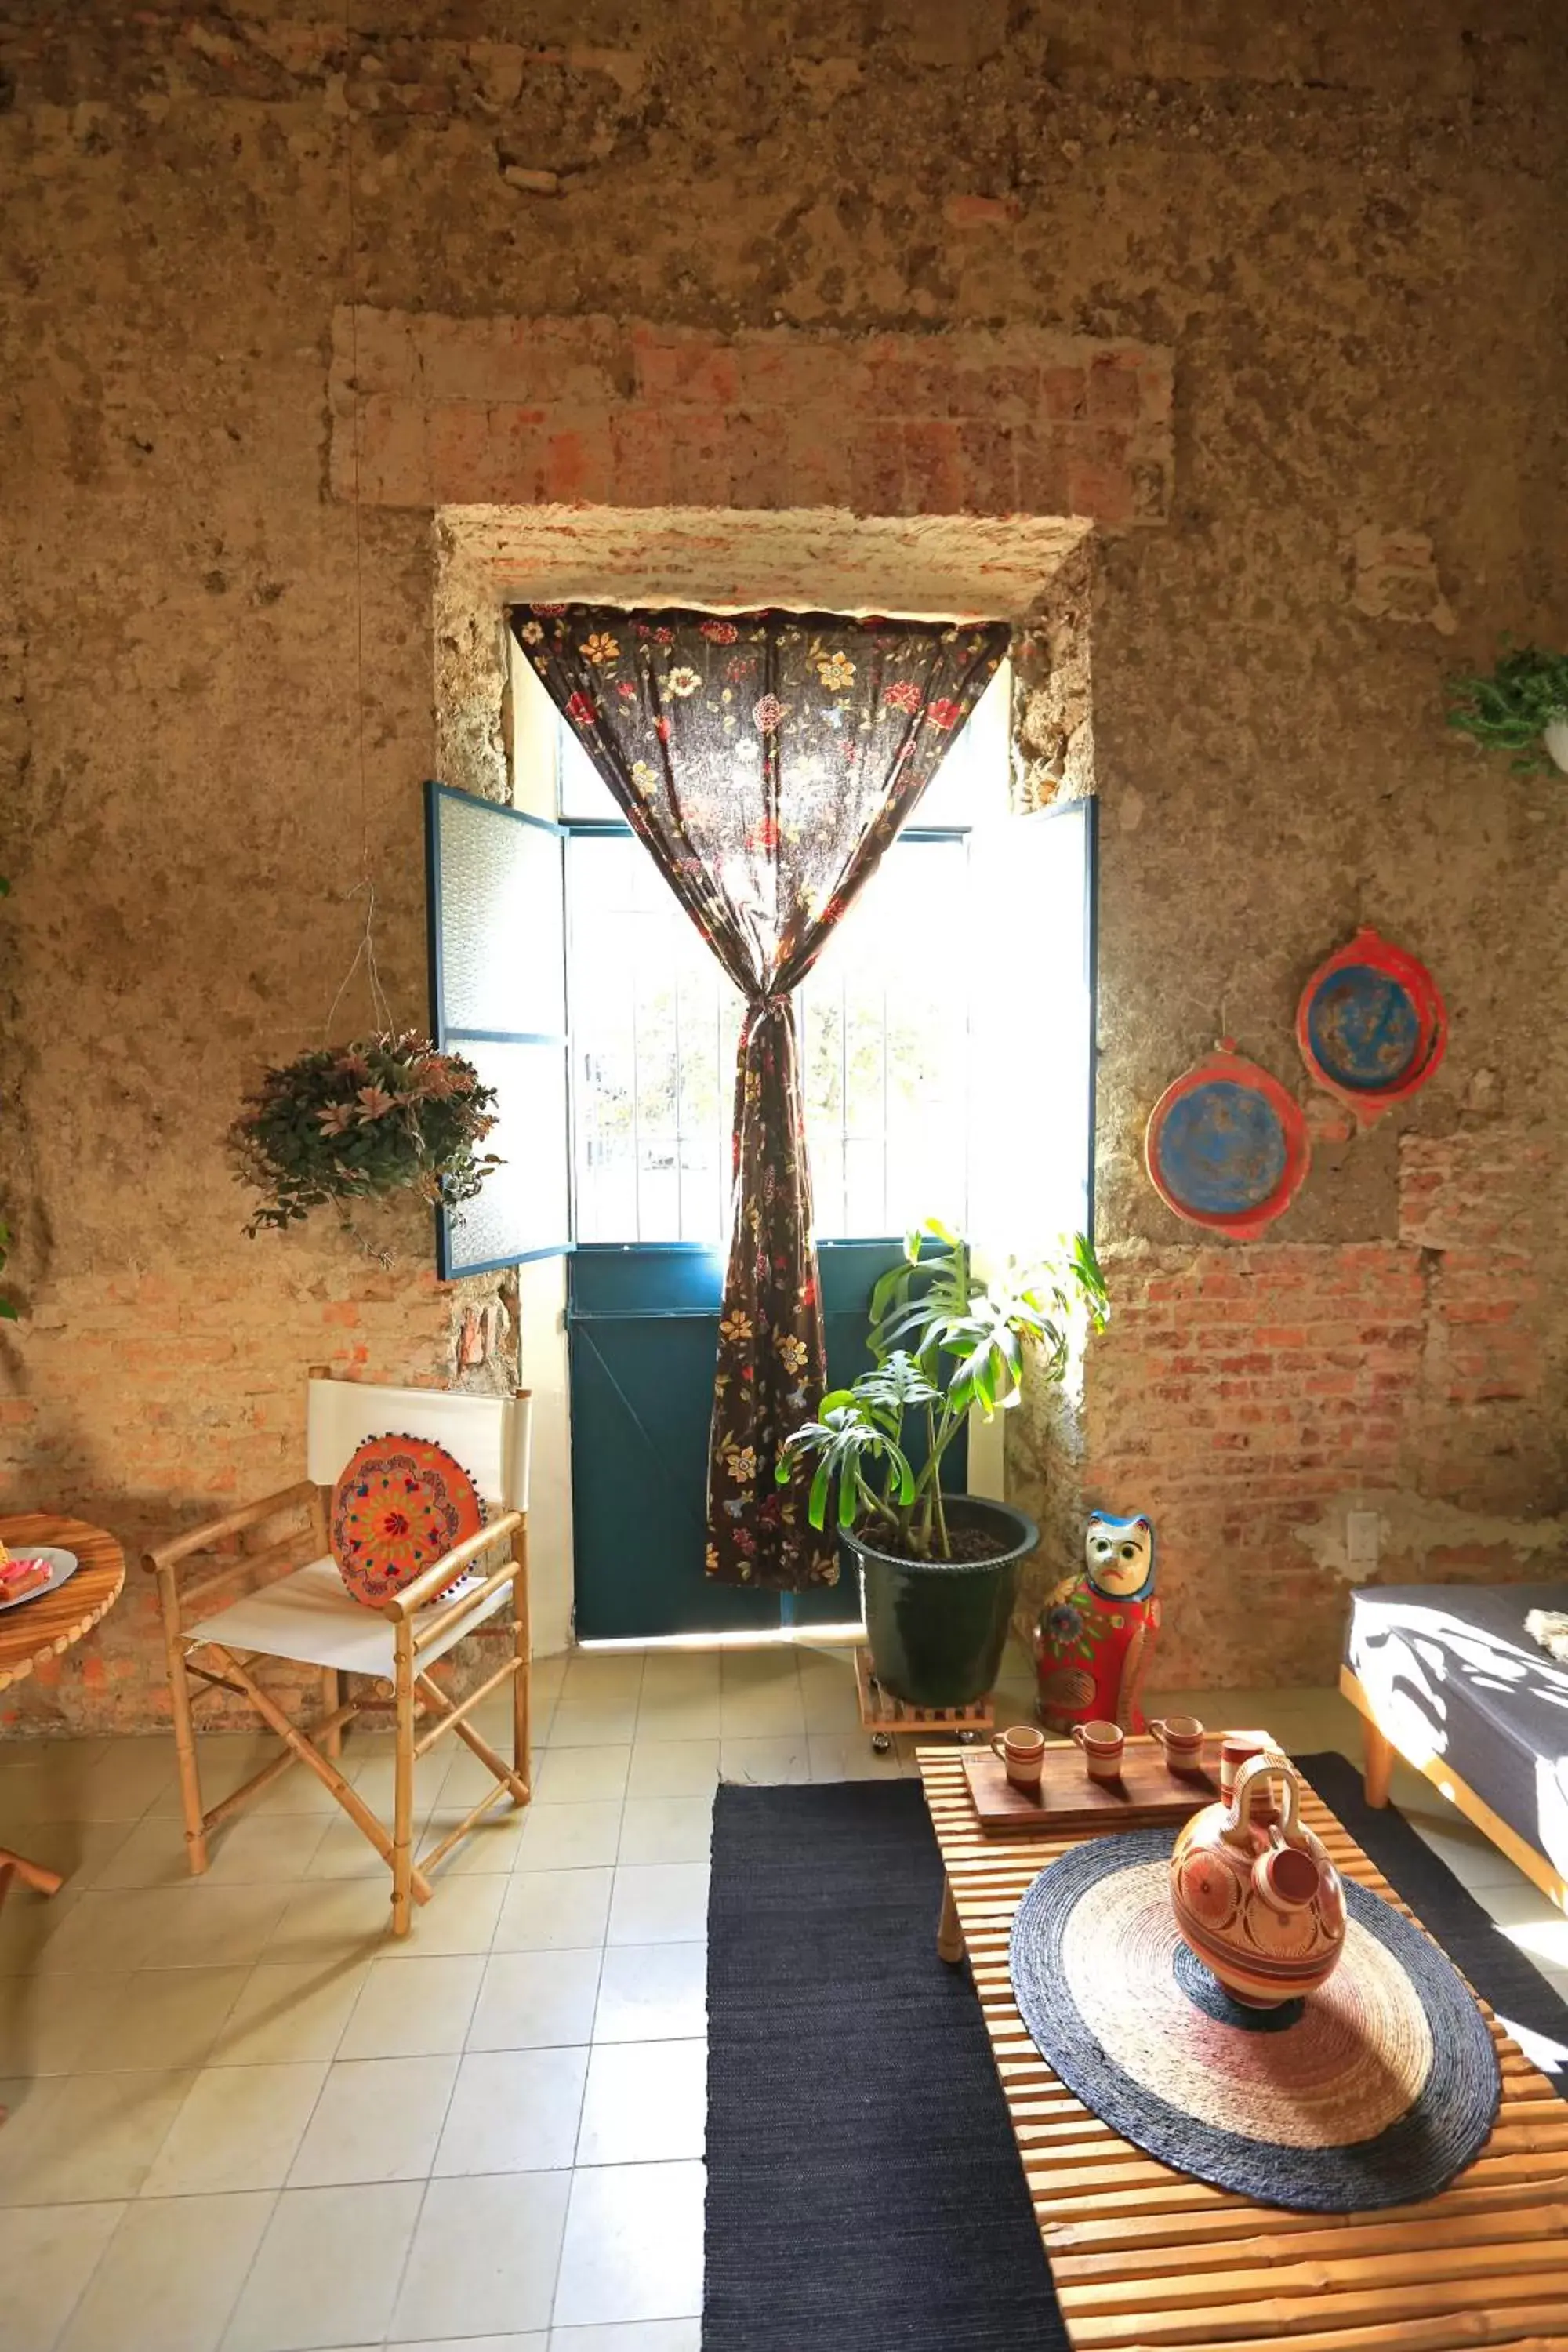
1256,1898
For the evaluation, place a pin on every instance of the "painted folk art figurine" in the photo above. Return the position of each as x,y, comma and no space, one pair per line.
1094,1641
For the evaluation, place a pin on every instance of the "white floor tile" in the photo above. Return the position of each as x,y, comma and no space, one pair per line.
594,1723
652,1992
530,2343
570,1837
851,1757
764,1762
460,1916
47,2020
48,2253
673,1768
239,2128
484,2258
680,1716
666,1829
597,1676
171,2275
162,2017
376,2119
414,2008
87,2136
633,2247
513,2111
582,1776
536,2000
198,1926
645,2103
680,1673
767,1712
288,2010
327,2269
659,1902
552,1910
634,2336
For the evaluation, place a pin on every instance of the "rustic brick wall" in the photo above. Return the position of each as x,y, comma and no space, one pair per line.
1305,264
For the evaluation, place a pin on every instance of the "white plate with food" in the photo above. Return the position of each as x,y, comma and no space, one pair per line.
62,1565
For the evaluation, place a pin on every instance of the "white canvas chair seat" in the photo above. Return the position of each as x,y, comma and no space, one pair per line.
218,1634
310,1616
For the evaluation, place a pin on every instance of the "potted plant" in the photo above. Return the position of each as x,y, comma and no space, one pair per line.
349,1123
938,1571
1521,707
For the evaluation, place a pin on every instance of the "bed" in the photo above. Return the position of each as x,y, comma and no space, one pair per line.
1445,1676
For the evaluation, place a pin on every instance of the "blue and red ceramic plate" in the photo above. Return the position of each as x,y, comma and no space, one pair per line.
1227,1146
1371,1025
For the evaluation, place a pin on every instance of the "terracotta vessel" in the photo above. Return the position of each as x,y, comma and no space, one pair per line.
1256,1896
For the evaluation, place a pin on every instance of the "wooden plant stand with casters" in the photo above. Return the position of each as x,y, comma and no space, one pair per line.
888,1718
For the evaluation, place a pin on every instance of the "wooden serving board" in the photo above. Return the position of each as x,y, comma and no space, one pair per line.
1147,1792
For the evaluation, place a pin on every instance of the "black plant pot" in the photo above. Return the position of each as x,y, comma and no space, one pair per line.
936,1629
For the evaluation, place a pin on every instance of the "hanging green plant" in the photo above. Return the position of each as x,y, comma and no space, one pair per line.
1522,708
349,1123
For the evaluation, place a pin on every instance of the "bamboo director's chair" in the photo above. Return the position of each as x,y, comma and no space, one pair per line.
294,1605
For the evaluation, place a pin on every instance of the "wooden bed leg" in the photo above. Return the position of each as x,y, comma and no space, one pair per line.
949,1934
1378,1769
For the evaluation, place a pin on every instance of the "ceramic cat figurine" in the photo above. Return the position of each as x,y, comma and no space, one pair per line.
1094,1641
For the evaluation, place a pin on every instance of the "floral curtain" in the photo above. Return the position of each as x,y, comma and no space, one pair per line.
766,760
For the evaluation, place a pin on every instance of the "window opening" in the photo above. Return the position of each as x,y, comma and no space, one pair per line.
884,1019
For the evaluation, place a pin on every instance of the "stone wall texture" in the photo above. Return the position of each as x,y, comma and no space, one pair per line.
1272,298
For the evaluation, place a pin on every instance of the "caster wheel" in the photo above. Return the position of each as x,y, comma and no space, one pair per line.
967,1738
880,1744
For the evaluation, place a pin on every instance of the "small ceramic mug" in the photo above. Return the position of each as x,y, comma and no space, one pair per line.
1234,1747
1023,1752
1102,1745
1181,1737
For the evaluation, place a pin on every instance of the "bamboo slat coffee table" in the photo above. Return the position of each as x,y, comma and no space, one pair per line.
1144,2256
49,1623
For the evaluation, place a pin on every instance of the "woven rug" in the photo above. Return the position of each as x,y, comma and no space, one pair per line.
1376,2090
864,2188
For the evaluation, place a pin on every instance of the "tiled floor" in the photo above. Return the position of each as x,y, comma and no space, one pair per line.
243,2121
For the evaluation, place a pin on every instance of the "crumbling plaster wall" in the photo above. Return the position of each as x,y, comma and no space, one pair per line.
1348,225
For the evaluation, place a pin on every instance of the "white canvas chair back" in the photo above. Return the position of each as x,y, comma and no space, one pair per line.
489,1436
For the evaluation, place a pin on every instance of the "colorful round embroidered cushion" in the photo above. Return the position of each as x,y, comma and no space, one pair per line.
399,1504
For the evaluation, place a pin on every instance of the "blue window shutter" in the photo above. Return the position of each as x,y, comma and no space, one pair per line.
498,997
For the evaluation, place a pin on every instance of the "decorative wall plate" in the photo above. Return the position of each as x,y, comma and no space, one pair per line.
1371,1024
1227,1147
399,1504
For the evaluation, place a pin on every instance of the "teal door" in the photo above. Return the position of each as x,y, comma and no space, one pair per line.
643,1325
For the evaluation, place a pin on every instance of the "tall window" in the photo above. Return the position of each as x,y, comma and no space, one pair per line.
885,1020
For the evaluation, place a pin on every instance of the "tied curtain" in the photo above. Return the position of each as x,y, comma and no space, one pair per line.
766,760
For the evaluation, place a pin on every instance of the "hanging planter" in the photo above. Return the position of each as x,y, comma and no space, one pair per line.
358,1122
1522,708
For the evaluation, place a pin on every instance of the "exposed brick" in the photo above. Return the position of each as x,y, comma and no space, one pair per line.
461,412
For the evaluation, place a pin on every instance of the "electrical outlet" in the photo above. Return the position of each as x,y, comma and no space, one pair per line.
1361,1530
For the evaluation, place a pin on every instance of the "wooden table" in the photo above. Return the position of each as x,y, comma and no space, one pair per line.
1144,2256
43,1627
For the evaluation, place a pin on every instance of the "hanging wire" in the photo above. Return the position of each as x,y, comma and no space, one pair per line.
364,954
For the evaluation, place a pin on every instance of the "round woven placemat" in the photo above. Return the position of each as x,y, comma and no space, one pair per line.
1375,2090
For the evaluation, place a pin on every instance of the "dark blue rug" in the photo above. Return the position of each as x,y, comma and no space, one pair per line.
864,2188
